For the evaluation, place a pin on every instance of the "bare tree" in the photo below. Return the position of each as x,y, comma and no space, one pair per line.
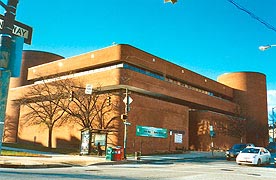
272,119
236,128
45,102
89,110
10,129
55,100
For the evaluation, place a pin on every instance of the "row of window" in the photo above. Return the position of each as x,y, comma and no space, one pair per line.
189,86
142,71
133,68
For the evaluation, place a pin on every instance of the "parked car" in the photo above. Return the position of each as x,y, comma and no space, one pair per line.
271,147
235,150
254,156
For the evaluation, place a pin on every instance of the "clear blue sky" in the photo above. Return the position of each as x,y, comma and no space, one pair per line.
210,37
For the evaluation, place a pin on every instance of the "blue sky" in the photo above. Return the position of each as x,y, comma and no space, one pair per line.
210,37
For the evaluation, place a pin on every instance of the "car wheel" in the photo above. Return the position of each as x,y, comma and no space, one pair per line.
259,162
228,158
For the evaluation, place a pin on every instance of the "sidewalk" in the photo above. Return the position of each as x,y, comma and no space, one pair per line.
59,160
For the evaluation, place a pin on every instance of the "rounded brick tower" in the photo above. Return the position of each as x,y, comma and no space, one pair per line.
30,58
251,94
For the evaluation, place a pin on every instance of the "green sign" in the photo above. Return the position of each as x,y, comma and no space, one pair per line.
151,132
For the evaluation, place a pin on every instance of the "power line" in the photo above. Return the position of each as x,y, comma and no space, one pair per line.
269,26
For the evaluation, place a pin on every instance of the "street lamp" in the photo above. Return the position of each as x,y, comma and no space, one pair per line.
273,139
171,1
263,48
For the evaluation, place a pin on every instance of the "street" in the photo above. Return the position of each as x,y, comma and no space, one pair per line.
193,168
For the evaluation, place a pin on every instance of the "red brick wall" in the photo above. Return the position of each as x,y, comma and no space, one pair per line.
29,59
250,93
200,139
146,111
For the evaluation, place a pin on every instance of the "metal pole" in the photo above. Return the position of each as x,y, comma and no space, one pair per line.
125,123
273,139
5,53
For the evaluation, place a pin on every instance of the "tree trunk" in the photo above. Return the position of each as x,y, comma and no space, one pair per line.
50,137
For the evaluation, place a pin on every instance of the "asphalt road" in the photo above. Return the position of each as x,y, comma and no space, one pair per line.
187,169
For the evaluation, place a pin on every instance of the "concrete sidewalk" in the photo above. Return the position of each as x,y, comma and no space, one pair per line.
49,161
58,160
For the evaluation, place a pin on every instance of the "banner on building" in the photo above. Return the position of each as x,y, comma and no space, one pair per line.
151,132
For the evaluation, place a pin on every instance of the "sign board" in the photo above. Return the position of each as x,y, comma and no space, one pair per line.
129,100
178,138
212,133
127,123
151,132
20,29
88,89
85,142
100,138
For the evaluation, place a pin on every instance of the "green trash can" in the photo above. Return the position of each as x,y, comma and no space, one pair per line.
109,154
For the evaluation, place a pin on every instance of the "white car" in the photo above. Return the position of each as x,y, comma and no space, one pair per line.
254,155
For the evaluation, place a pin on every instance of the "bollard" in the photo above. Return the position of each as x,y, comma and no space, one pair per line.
137,155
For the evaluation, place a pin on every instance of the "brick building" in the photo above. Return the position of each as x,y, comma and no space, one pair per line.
165,97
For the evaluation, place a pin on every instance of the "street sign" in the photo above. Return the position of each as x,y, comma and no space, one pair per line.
129,100
127,123
212,133
20,29
88,89
151,132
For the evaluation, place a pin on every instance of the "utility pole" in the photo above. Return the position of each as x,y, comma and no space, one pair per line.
5,57
273,125
125,122
127,100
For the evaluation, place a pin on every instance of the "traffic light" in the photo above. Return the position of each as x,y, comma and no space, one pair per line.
124,117
108,101
71,96
212,134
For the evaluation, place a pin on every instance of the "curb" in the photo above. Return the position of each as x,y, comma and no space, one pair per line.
24,166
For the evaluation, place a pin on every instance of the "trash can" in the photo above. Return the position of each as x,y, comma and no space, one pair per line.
137,155
109,154
118,153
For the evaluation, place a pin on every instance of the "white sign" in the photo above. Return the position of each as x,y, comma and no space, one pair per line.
129,100
19,29
88,89
127,123
178,138
100,138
